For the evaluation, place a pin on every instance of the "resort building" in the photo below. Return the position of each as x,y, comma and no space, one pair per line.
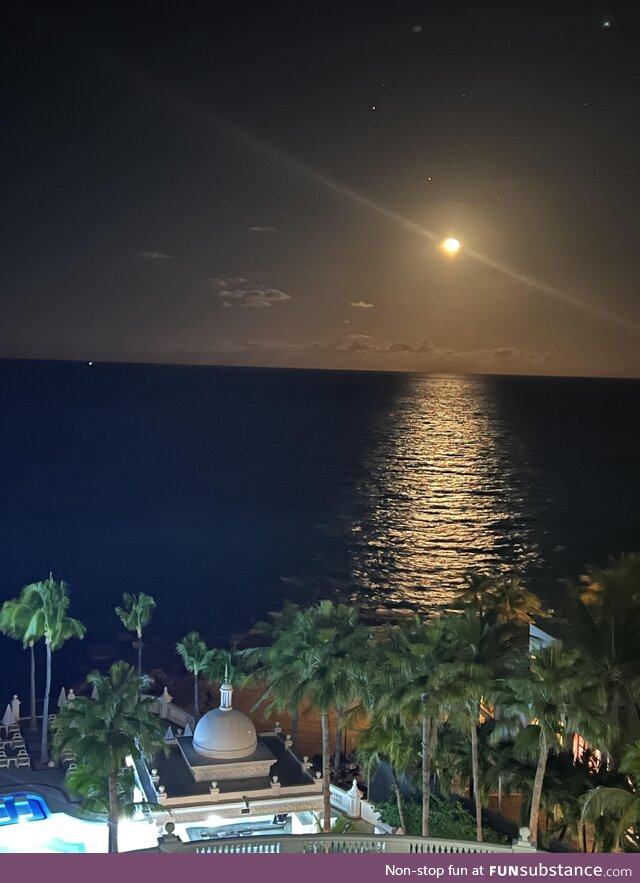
225,777
220,787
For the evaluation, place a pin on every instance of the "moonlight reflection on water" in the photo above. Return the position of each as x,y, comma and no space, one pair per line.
445,494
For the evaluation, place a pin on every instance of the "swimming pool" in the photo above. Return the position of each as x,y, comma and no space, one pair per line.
18,808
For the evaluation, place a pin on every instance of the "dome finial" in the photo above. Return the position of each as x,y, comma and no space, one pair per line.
226,692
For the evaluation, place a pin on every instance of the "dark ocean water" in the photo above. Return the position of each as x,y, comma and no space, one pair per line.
222,491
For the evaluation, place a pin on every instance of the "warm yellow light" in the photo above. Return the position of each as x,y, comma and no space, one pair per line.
451,246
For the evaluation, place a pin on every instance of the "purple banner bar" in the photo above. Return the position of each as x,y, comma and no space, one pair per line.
315,868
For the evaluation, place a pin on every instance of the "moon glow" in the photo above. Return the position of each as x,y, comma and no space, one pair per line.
451,246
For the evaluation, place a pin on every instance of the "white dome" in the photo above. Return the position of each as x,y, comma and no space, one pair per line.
225,733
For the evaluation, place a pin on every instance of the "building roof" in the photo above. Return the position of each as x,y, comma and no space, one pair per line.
225,733
175,775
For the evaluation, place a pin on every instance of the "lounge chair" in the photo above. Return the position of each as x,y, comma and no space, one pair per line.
23,760
4,763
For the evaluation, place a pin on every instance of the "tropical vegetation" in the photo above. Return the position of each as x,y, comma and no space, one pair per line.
196,657
42,612
107,735
16,616
135,615
459,706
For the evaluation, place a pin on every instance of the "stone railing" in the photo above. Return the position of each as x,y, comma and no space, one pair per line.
351,804
173,713
346,843
347,802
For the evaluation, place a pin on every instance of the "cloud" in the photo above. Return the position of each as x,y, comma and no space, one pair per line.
422,354
258,297
154,255
400,346
256,228
364,350
229,282
361,305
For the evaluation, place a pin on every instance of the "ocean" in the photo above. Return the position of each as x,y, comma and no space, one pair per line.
223,491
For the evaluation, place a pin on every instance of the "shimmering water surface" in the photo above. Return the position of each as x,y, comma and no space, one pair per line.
222,491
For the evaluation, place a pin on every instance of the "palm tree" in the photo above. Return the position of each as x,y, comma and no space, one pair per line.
475,592
136,616
468,681
196,657
324,652
605,628
619,804
388,737
502,599
413,655
511,602
49,600
93,788
104,732
272,664
224,665
557,697
15,617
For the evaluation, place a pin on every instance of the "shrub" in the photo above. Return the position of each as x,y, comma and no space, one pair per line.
448,819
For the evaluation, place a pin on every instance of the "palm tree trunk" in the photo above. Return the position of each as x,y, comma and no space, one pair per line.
536,794
399,800
113,811
33,723
338,752
475,767
326,779
426,772
44,744
195,696
140,654
294,726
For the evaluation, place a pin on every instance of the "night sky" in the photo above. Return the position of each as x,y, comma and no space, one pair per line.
268,183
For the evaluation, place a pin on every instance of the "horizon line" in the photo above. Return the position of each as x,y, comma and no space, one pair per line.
354,370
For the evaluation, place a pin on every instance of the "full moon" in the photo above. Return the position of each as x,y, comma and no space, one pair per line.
451,246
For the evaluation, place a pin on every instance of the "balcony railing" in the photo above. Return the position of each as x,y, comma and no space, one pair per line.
346,843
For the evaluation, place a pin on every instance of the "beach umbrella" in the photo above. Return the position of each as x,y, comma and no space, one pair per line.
168,736
8,720
188,731
15,707
71,695
94,693
62,698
